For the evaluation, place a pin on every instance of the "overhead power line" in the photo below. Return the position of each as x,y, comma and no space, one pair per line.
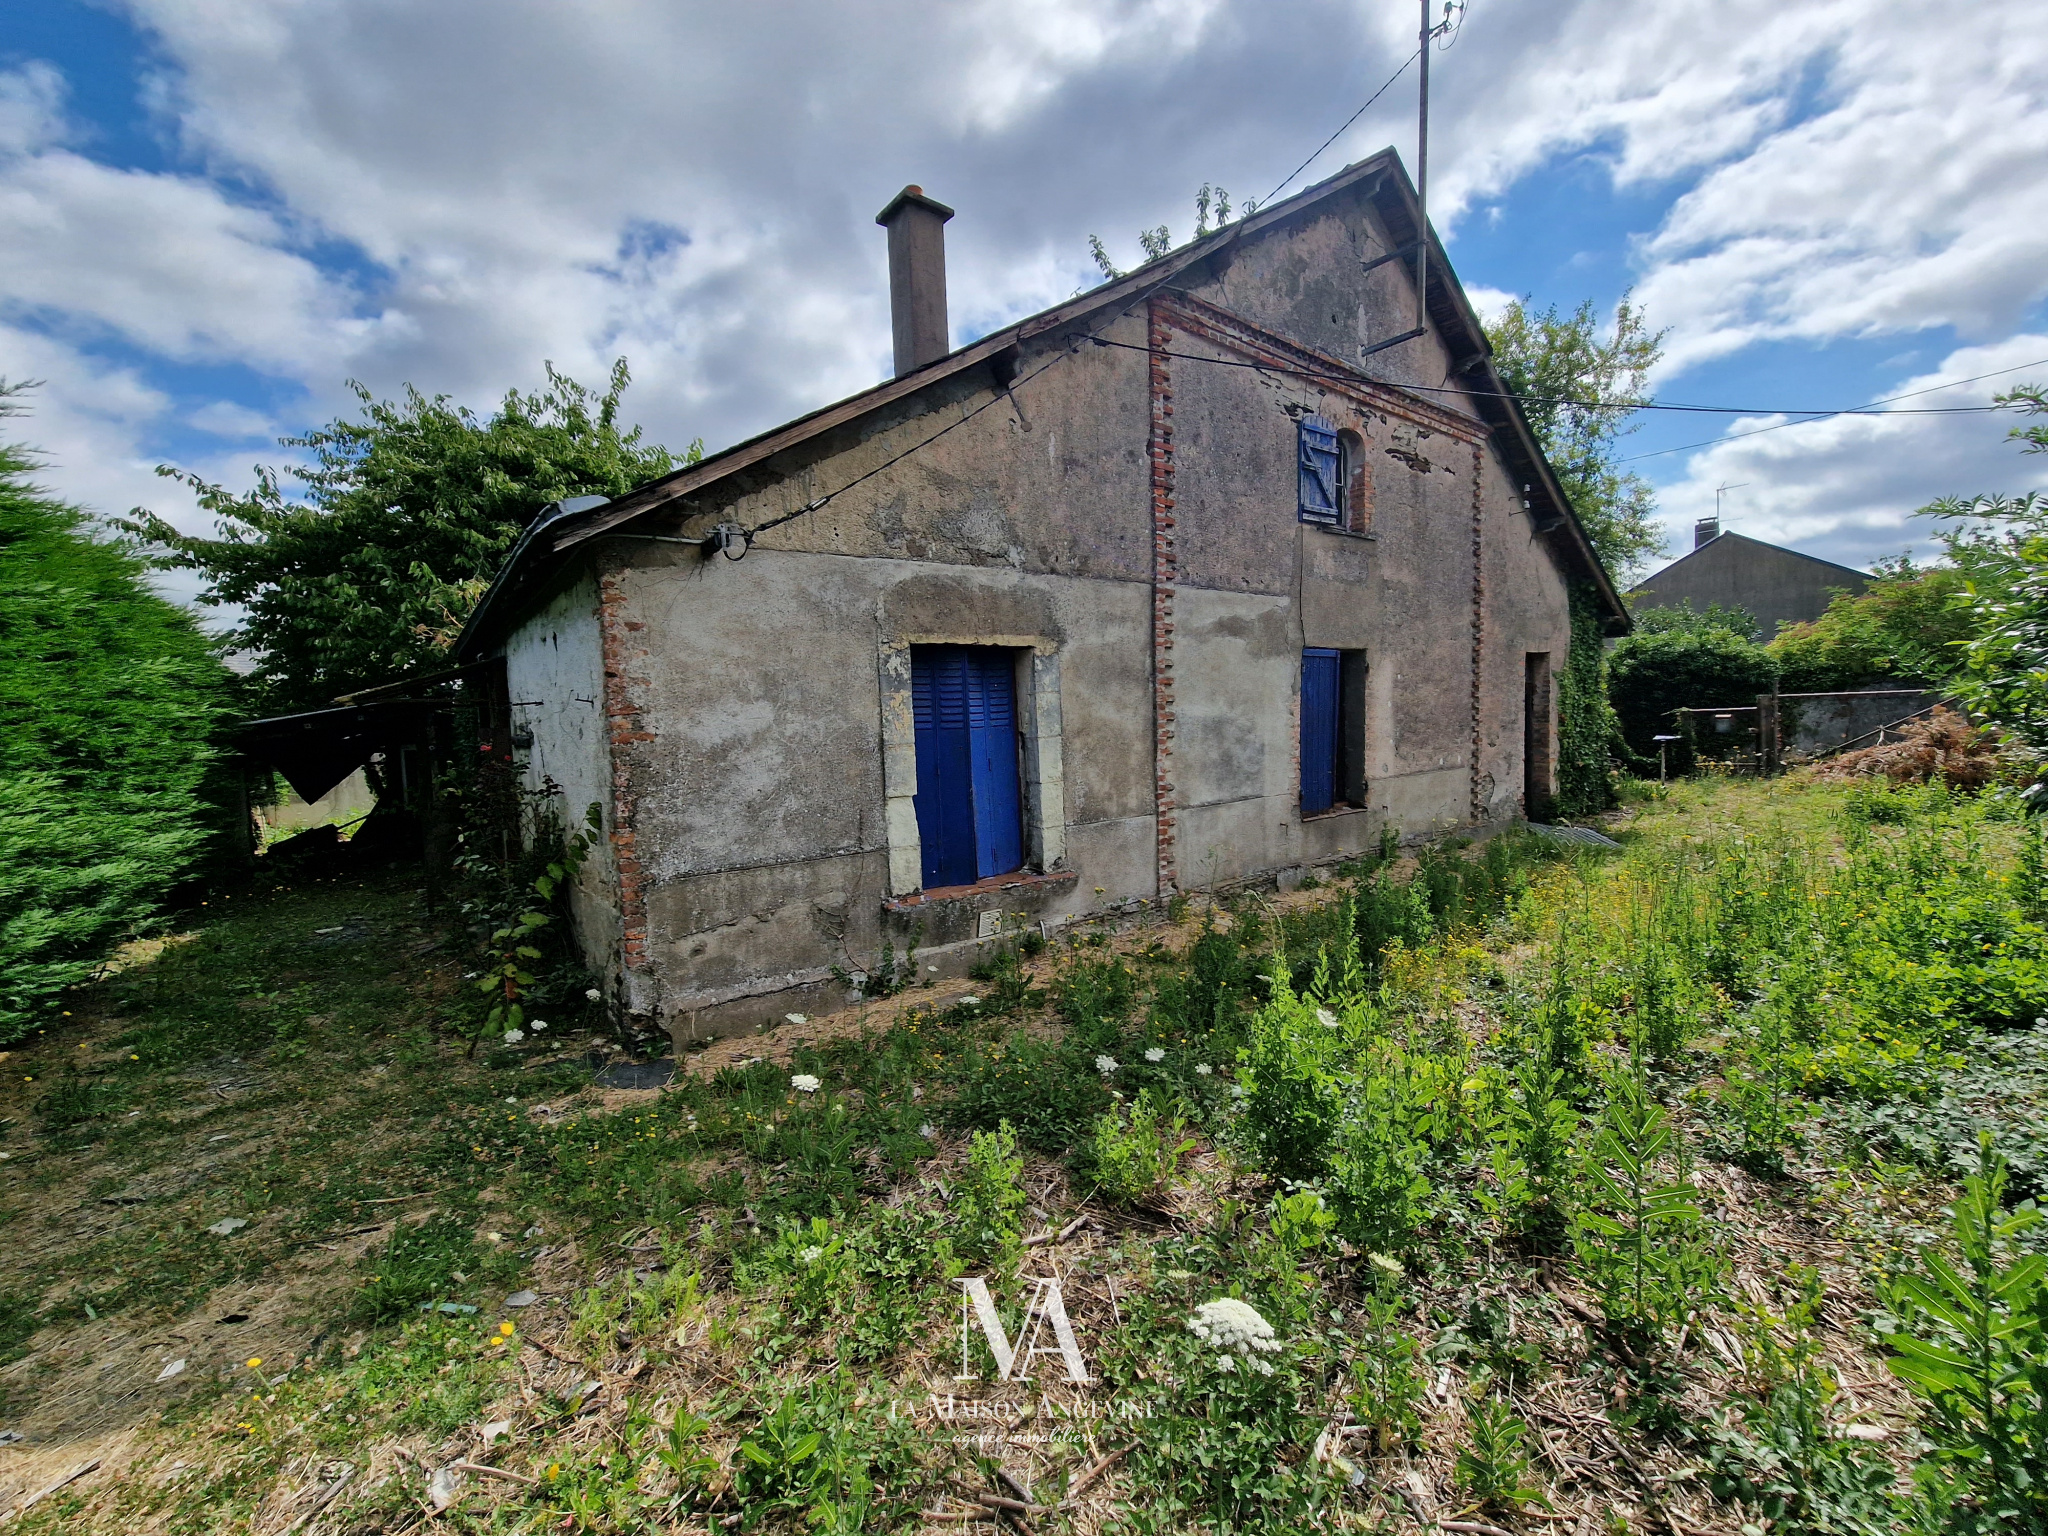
1354,117
1591,405
1805,420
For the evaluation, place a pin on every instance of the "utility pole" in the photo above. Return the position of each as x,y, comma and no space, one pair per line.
1422,182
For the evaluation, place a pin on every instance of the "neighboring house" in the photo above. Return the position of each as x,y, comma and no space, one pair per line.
1778,586
1185,581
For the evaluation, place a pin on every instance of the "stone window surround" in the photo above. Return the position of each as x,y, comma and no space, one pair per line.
1038,722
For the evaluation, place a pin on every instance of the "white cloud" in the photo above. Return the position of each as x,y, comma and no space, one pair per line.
223,418
1490,303
1847,488
693,186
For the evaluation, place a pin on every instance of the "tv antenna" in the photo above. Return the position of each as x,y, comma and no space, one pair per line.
1738,485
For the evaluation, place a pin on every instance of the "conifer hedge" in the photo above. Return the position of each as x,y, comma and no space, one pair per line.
110,700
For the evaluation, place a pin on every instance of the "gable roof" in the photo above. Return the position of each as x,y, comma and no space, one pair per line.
1730,544
544,546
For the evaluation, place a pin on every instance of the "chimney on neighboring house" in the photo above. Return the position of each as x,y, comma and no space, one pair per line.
1704,532
917,277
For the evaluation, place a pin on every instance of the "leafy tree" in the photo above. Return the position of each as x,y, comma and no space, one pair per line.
1681,618
109,699
1903,628
1651,675
1551,359
2000,545
360,566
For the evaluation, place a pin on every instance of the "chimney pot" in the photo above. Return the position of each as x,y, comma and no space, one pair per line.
1705,531
917,277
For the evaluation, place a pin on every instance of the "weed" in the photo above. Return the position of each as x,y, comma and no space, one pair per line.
416,1265
1386,1376
1639,1240
989,1201
888,976
1131,1158
1973,1342
1493,1468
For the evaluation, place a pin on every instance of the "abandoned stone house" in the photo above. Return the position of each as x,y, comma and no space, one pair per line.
1206,575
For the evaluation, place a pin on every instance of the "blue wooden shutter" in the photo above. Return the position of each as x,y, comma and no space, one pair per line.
945,805
1319,468
969,802
1319,695
992,733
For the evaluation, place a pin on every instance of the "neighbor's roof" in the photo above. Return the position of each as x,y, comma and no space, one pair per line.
543,549
1730,543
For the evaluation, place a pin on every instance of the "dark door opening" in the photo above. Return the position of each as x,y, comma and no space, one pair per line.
1539,766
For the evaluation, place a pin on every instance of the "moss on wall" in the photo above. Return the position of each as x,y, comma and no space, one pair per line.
1585,721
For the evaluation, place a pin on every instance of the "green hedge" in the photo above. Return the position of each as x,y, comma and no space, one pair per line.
109,701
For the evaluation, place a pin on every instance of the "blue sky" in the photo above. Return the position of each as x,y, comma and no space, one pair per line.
219,214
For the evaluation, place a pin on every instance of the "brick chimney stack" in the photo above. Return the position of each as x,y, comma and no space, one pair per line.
917,277
1704,532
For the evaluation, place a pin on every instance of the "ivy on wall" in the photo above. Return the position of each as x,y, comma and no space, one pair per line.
1585,720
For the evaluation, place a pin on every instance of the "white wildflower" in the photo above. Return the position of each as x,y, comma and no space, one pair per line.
591,994
798,1018
1155,1055
1237,1090
1105,1065
1230,1324
514,1036
1326,1018
1225,1363
536,1025
928,1131
803,1082
1203,1069
812,1254
970,1002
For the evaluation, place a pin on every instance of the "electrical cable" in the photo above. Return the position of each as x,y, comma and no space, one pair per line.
1354,117
1593,405
747,534
1826,415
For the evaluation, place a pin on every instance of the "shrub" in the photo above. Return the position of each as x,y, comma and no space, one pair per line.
1132,1158
1903,628
110,700
1649,676
990,1198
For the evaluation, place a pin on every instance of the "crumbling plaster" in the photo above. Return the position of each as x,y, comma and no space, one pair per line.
554,669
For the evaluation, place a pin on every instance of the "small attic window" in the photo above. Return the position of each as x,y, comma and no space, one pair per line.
1319,497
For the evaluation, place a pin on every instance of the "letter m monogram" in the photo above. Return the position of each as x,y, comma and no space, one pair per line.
1014,1364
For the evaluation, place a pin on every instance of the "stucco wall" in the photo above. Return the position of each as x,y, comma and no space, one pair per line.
554,666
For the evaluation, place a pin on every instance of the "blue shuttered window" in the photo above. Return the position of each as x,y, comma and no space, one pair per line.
1320,675
1320,466
969,803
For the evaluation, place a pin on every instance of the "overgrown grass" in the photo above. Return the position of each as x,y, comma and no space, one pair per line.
1508,1138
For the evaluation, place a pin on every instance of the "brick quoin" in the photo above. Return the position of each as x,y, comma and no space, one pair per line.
1165,571
623,727
1478,623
